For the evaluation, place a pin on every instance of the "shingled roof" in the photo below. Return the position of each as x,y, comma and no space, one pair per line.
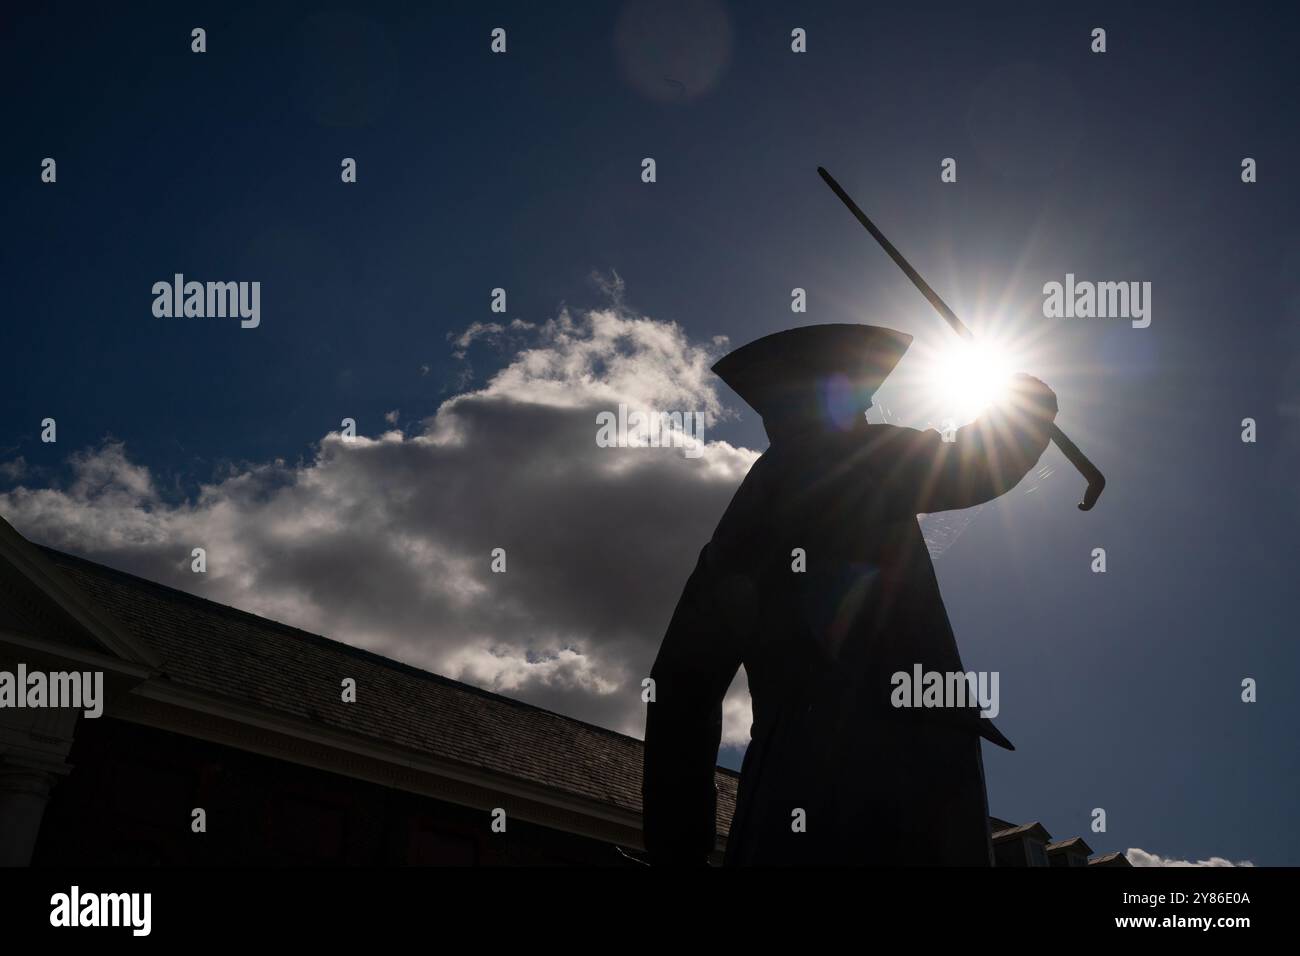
223,651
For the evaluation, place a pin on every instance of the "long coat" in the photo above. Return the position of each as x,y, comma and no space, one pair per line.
876,784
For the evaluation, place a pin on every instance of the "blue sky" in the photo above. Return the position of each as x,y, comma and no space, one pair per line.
522,171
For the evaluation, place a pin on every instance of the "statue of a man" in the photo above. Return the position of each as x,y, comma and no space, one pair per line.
818,580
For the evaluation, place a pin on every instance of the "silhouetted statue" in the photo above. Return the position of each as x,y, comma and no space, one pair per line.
876,784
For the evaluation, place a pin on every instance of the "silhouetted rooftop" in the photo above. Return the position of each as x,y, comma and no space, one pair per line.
234,654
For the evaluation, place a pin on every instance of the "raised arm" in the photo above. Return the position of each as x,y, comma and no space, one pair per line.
920,473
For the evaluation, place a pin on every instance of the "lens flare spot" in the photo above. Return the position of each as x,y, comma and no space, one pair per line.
969,376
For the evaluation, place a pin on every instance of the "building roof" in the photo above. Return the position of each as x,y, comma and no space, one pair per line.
1110,859
223,651
1035,830
1065,846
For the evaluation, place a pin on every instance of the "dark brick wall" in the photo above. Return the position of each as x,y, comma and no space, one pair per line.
129,801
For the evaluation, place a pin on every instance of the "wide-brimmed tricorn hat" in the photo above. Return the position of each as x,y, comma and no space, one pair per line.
789,368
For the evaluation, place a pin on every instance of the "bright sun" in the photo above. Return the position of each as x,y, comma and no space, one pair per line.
967,377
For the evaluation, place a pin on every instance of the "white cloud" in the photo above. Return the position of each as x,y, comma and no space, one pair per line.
493,332
510,669
737,714
1139,857
385,542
